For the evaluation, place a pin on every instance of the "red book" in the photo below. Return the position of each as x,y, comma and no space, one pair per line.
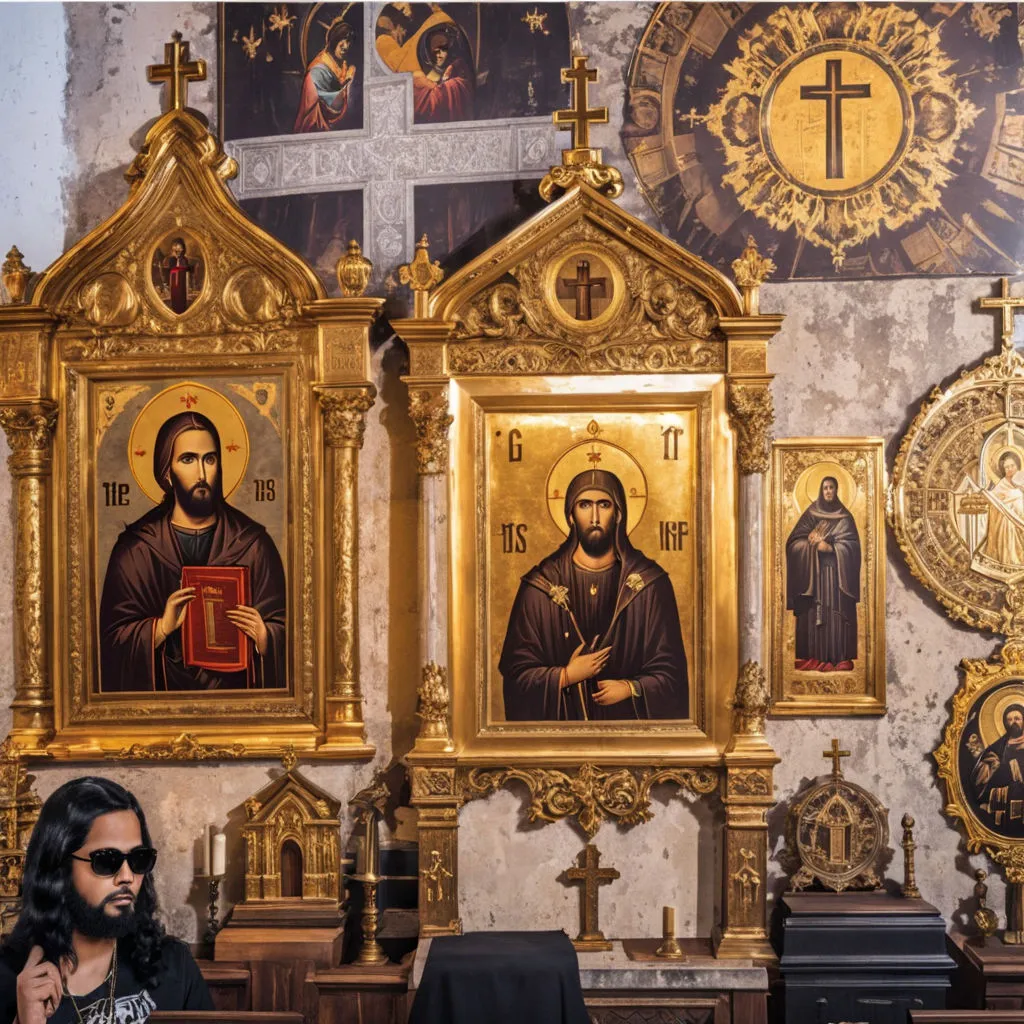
209,638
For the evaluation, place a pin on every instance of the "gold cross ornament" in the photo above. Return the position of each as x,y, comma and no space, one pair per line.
177,71
1009,304
835,753
581,115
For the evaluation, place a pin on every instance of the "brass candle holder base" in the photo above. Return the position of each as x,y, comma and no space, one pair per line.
670,949
371,952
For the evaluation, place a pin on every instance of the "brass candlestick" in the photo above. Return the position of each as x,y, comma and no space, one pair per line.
213,925
371,951
669,948
909,889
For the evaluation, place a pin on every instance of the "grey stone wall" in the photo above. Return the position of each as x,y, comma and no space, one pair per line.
852,359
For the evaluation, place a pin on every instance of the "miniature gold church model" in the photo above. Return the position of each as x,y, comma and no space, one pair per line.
292,840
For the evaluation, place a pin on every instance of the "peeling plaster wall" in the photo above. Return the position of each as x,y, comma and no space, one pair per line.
852,358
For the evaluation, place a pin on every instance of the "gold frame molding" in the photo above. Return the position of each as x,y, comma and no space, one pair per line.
488,334
94,315
864,459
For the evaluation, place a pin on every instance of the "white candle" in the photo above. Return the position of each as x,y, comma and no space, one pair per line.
220,846
206,850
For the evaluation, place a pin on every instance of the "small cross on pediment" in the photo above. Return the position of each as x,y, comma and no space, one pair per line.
177,71
1009,304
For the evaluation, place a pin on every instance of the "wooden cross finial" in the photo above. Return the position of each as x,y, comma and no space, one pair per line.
1009,304
177,70
592,877
835,753
580,116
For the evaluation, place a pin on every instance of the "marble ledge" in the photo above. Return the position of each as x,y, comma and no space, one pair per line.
613,969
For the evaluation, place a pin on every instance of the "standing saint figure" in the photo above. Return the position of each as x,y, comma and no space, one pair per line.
594,630
328,85
177,269
143,603
823,583
1004,539
998,777
443,88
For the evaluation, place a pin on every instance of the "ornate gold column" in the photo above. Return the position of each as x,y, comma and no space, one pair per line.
432,768
345,396
29,429
747,784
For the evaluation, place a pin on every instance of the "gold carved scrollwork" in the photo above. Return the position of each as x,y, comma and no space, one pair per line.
185,748
29,429
747,880
749,782
602,178
664,326
752,700
753,413
345,414
428,408
433,782
592,794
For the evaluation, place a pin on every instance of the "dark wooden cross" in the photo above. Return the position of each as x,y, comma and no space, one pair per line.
584,286
592,877
580,116
835,753
177,71
833,92
1009,304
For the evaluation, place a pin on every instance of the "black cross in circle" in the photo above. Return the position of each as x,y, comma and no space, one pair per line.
833,92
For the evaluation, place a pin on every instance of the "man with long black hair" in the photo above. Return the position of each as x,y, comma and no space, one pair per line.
88,947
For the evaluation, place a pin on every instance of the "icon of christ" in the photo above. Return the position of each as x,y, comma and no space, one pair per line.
594,630
145,602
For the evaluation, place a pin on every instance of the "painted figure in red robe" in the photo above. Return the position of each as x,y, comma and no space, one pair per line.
594,631
443,90
176,271
327,88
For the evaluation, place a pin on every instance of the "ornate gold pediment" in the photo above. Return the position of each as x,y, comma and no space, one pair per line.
242,278
656,307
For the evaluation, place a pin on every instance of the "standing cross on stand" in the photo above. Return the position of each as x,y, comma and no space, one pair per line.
592,877
835,753
177,71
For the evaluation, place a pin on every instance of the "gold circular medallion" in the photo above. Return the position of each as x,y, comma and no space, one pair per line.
585,287
836,118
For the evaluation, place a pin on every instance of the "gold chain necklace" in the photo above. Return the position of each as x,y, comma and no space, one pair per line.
112,975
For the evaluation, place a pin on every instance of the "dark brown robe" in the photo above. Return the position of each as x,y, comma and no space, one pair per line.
145,569
823,587
643,632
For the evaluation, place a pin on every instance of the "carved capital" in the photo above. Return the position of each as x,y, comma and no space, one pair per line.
344,412
29,430
753,413
434,703
752,700
428,408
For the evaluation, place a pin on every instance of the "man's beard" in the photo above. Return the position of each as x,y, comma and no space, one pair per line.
95,922
596,541
199,501
1014,731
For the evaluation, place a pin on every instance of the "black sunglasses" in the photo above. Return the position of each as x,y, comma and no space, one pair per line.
108,862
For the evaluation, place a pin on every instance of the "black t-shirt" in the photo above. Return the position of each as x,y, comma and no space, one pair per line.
179,985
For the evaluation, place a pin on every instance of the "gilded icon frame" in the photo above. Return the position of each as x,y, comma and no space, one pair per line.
860,463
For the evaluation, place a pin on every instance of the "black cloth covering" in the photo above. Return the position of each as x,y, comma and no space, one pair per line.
501,978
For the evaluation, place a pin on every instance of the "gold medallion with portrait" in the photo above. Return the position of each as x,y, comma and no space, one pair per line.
177,270
958,492
191,510
592,566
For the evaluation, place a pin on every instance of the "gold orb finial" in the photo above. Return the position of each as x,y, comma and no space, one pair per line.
15,275
354,271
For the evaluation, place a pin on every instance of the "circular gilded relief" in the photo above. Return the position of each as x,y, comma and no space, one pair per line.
958,492
585,287
839,832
